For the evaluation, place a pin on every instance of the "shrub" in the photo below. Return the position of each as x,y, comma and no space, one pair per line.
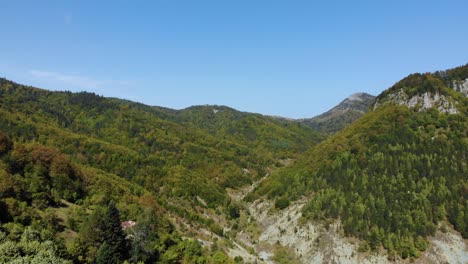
282,203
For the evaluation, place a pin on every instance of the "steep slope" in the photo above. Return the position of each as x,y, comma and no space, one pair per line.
341,115
393,175
442,90
150,145
180,161
53,210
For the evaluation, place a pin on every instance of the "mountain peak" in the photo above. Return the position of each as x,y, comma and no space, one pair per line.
358,97
359,102
346,112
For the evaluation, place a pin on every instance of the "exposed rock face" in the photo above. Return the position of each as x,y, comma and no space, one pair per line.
447,247
311,242
422,101
461,86
314,243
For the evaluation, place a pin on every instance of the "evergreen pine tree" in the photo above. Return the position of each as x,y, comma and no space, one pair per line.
114,236
106,255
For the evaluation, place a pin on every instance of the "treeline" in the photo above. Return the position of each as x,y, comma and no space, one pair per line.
390,178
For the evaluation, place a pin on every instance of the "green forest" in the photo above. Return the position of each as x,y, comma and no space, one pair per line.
75,166
391,176
66,157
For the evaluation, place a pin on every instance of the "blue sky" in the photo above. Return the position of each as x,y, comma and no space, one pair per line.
288,58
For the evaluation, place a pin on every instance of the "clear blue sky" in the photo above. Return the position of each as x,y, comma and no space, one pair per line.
288,58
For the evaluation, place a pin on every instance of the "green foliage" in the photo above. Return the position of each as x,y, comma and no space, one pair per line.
283,255
106,254
143,237
390,176
5,143
221,258
113,233
438,82
34,177
74,152
148,145
282,203
233,211
341,115
102,236
30,247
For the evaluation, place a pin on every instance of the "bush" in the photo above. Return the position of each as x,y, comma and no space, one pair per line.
238,259
282,203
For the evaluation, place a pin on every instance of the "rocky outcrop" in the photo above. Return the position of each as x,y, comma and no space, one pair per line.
461,86
312,242
422,101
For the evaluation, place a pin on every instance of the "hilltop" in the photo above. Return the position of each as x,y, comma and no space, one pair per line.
345,113
373,179
393,176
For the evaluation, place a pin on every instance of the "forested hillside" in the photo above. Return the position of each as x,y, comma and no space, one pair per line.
67,157
53,210
149,145
345,113
395,174
89,179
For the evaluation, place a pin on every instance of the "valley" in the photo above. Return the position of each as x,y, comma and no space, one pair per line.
374,180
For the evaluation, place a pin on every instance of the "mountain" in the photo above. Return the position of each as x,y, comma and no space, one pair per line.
89,179
341,115
285,138
112,133
395,175
442,90
66,156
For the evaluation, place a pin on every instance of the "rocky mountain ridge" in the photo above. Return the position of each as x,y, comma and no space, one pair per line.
423,101
445,103
346,112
